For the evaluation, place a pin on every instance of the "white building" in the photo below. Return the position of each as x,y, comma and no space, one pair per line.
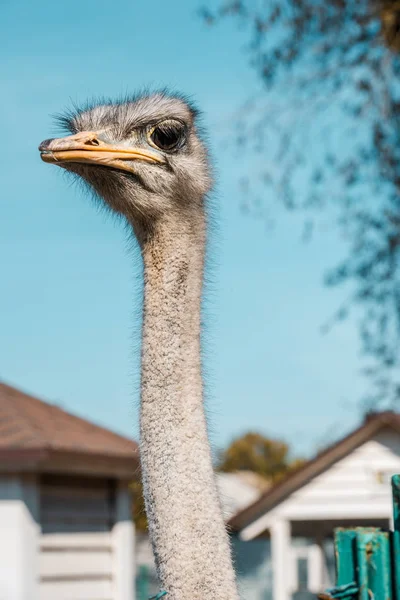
283,541
65,510
238,490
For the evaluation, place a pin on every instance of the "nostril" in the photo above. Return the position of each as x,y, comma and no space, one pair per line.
92,142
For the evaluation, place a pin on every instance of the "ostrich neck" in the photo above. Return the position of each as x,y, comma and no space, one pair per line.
186,526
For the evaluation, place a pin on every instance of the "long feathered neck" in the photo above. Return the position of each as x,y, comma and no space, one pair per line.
187,531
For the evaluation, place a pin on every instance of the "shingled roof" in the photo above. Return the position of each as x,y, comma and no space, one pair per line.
36,433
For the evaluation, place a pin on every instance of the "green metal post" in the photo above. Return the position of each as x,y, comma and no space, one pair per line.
396,536
368,560
143,583
374,565
345,556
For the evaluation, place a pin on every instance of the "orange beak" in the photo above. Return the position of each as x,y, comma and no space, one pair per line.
87,147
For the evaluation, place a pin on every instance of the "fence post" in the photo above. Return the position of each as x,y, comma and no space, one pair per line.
143,583
368,560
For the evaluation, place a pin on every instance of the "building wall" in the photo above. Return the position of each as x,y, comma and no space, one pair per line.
77,516
76,566
18,538
87,534
235,493
356,487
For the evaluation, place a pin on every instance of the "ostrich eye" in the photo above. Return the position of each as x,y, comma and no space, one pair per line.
168,135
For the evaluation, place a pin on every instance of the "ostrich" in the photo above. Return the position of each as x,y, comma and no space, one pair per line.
145,159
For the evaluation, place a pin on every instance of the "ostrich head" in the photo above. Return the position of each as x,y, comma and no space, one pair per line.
143,156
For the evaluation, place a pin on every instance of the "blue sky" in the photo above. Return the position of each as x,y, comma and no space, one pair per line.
70,292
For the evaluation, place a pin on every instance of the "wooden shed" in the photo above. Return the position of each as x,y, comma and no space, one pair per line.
65,507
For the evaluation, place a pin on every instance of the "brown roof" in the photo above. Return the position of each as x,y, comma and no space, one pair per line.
31,428
373,423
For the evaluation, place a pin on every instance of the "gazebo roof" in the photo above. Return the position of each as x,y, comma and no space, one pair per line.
36,435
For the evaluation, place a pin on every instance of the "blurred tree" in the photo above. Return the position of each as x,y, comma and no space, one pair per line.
327,126
138,509
254,452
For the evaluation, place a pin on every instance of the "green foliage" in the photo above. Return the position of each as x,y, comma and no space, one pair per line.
138,509
327,125
254,452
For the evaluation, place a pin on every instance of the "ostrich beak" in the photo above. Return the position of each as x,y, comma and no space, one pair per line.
87,147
